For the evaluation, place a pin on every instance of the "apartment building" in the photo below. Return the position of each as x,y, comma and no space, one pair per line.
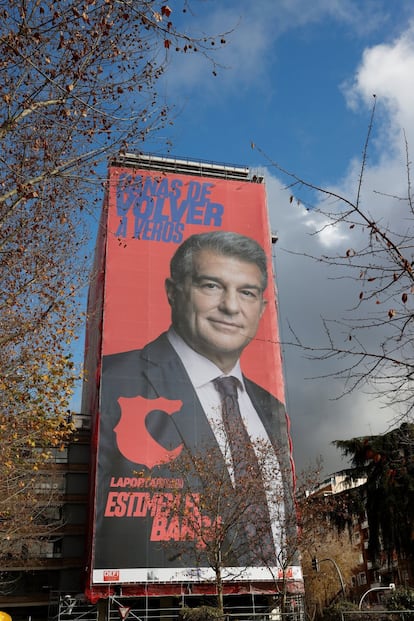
54,559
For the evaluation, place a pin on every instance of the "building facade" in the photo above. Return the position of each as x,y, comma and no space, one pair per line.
53,560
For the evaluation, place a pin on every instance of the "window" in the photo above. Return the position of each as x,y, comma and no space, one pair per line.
362,578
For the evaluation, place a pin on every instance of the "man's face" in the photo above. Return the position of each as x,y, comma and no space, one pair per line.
218,308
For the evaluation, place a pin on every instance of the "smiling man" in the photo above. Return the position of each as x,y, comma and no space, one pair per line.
216,294
170,395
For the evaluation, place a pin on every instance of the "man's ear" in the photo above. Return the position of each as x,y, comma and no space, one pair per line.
170,288
264,304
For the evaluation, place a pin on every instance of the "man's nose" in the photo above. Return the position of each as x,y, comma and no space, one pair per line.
229,301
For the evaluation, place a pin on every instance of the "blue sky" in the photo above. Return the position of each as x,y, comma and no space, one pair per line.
287,73
297,79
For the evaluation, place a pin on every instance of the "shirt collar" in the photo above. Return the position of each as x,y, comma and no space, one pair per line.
200,369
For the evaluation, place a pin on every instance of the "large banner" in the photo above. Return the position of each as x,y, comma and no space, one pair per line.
189,297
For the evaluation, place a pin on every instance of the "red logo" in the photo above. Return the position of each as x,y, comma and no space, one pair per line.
111,575
133,439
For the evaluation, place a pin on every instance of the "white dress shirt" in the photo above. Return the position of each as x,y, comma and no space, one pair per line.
201,373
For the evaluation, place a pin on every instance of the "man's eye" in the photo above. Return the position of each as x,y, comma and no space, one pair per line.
210,285
249,294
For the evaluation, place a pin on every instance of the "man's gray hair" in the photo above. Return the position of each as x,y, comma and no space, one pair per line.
226,243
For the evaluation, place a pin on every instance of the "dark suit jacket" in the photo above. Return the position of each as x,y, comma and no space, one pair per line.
157,371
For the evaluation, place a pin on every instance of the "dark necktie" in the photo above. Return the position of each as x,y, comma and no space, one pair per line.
247,476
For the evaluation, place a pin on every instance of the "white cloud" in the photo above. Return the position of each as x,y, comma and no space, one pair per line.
251,30
309,290
387,70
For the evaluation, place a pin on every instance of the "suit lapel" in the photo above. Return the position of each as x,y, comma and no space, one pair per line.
168,378
268,410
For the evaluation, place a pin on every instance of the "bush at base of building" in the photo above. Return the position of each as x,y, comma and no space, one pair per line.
334,611
402,599
201,613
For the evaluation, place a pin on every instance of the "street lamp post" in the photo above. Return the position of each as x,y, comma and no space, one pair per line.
391,587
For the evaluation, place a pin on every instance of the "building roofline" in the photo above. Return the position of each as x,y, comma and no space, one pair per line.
187,166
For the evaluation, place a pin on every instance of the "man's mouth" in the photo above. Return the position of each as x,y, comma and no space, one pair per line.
226,324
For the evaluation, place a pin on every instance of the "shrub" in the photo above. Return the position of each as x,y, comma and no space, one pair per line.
201,613
402,599
333,612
